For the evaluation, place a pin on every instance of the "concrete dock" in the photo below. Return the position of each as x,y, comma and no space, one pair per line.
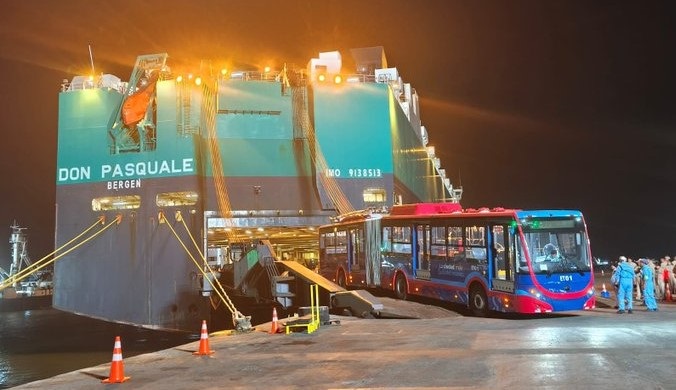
596,349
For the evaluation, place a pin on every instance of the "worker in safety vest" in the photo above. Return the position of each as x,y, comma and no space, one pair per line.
638,285
626,276
648,285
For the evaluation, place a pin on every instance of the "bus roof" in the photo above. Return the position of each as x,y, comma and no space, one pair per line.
455,210
548,213
425,208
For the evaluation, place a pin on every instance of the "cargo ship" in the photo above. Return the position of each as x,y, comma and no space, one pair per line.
24,286
177,164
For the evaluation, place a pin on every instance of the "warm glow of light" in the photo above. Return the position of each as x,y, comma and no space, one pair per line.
179,79
224,71
337,79
267,69
198,81
321,78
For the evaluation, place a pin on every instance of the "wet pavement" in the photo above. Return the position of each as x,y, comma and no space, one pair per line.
596,349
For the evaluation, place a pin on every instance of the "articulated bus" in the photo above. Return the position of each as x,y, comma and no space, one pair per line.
503,260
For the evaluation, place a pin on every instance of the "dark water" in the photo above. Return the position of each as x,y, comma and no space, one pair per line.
38,344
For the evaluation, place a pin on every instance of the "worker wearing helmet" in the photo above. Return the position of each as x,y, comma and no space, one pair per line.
625,291
648,285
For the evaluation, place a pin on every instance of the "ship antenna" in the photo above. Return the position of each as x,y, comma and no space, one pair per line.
91,59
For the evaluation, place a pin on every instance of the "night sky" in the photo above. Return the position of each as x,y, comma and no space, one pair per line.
530,104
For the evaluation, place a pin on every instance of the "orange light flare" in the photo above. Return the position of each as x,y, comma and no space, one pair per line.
513,121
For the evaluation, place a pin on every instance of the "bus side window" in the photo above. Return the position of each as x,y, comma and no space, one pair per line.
387,242
330,243
476,239
341,241
401,239
438,242
456,248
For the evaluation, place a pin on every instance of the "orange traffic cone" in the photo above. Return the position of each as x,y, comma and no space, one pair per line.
117,366
204,341
274,328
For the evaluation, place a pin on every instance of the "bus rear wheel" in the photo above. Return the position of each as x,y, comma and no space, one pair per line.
478,302
400,288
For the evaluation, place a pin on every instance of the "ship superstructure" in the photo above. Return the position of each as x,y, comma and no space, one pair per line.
221,160
24,286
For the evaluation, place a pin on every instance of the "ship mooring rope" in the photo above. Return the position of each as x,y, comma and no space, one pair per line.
209,118
35,267
218,288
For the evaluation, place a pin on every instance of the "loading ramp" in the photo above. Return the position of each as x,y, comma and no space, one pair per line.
290,281
359,302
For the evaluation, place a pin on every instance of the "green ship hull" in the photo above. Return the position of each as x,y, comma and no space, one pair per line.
215,161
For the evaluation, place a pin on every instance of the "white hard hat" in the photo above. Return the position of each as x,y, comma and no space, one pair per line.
622,258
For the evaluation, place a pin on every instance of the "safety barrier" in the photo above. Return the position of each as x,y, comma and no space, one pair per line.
314,316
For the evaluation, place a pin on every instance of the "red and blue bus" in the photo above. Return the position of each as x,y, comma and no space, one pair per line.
503,260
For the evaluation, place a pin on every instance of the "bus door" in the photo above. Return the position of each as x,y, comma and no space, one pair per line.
356,250
502,258
371,249
421,256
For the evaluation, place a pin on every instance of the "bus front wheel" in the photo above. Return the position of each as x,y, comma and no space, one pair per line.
400,287
478,302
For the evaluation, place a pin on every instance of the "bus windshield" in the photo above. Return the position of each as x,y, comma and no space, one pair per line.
555,245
